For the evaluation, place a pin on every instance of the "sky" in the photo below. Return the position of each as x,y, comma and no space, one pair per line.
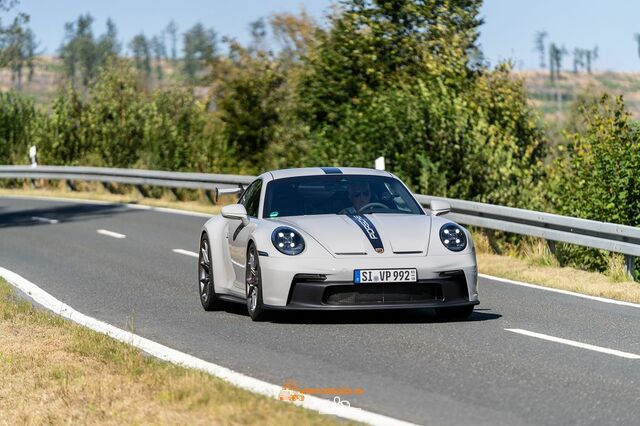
508,33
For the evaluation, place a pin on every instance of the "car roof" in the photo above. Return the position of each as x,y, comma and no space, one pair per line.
318,171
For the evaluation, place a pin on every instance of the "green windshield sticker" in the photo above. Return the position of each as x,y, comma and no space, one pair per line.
273,214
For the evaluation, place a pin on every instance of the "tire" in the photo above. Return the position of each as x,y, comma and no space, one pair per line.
454,313
206,287
253,285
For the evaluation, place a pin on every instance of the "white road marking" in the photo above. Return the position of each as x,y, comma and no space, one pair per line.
324,406
44,219
110,233
574,343
185,252
565,292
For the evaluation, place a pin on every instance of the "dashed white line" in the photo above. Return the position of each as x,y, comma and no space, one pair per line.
185,252
574,343
110,233
44,219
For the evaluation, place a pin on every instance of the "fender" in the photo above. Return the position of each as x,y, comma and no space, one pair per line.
223,276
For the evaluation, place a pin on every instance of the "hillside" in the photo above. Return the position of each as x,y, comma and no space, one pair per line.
554,100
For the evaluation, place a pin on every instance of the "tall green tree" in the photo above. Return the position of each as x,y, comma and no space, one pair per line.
82,54
172,31
18,49
141,51
199,48
399,79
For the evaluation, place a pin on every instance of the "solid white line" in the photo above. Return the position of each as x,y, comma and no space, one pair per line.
574,343
110,233
165,353
565,292
185,252
44,219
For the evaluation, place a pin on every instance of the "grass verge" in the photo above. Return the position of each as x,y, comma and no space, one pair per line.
534,264
56,372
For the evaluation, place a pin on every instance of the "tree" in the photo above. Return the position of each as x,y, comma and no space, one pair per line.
258,31
159,53
398,79
172,31
556,55
370,42
200,47
295,33
108,44
539,46
590,56
18,49
141,54
82,54
578,59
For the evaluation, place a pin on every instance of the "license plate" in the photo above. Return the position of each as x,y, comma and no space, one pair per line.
362,276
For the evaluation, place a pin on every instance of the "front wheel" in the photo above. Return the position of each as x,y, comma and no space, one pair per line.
454,313
208,297
253,285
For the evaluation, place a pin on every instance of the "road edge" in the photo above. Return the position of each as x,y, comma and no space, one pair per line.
165,353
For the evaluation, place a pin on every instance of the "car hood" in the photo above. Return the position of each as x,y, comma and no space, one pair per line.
349,235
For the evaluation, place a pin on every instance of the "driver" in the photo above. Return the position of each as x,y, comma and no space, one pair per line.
359,195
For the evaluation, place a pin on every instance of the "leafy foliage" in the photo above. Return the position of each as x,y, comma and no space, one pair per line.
597,178
17,120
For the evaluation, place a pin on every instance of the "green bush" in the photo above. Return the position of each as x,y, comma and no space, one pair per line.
18,118
598,176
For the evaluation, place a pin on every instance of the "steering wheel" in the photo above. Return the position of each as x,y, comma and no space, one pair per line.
371,205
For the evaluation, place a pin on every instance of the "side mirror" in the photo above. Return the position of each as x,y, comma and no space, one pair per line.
438,207
235,211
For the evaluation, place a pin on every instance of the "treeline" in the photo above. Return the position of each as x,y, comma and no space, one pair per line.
583,58
402,79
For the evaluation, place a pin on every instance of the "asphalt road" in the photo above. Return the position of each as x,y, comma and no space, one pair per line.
410,365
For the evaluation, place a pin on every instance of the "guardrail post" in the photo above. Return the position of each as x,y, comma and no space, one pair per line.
552,246
630,265
210,196
141,189
70,186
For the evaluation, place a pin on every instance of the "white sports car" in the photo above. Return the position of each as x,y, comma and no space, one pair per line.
333,239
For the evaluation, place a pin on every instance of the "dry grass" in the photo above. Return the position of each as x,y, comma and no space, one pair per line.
533,263
56,372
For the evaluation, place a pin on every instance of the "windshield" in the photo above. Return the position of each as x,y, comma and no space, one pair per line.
337,194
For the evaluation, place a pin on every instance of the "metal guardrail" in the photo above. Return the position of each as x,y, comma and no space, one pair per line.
127,176
552,227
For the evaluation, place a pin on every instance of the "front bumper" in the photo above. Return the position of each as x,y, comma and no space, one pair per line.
308,293
327,284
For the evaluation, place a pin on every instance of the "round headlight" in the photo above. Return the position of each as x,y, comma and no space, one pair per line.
453,237
287,241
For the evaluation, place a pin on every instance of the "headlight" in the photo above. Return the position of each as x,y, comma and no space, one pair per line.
453,237
287,241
